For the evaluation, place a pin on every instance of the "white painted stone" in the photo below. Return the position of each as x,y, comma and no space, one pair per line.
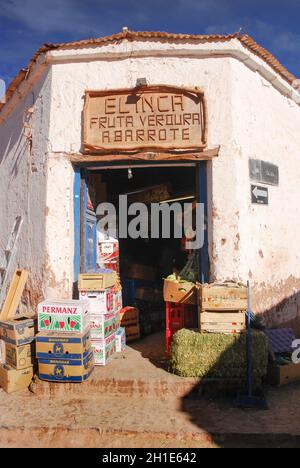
252,113
23,176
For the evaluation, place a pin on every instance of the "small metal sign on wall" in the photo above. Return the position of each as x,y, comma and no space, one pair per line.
259,195
263,172
147,118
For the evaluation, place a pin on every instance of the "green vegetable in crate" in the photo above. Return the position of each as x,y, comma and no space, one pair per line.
173,278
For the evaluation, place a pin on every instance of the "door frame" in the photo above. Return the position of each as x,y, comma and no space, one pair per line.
79,181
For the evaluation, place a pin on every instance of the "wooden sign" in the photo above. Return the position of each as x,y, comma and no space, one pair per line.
148,118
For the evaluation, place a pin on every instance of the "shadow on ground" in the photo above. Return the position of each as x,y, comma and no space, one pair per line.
210,403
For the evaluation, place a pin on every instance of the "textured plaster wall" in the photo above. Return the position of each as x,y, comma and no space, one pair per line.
70,80
59,228
267,127
23,179
247,116
259,243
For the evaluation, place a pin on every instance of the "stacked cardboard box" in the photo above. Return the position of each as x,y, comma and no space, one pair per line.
64,357
108,252
120,340
63,344
18,336
129,318
104,297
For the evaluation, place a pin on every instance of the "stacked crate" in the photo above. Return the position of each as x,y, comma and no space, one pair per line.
222,308
181,308
18,336
104,295
130,320
63,343
108,253
179,316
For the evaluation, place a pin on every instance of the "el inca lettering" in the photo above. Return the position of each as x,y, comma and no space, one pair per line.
60,310
163,103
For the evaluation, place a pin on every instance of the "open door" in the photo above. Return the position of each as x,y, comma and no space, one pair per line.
201,174
89,229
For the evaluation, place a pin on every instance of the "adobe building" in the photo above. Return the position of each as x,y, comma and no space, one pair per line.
215,117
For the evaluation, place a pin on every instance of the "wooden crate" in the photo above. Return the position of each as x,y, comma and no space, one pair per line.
233,322
133,333
129,316
223,297
97,282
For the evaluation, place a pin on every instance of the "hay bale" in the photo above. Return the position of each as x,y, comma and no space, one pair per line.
213,355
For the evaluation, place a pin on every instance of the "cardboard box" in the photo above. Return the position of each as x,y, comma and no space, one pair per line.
117,320
64,316
104,350
100,302
108,251
12,380
2,351
102,326
180,293
118,300
20,357
283,375
227,296
140,272
19,331
148,295
98,281
66,370
62,345
154,194
120,340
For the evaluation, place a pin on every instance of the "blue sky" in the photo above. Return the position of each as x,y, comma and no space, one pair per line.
27,24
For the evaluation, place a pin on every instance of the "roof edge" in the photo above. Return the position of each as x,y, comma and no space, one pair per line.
244,39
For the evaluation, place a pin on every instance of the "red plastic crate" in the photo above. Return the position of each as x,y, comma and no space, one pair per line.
179,316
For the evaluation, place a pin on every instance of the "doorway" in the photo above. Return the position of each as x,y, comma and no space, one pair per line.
143,262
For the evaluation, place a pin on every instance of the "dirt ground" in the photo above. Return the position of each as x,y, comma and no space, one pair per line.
135,402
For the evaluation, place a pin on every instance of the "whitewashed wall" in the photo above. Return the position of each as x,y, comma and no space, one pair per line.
247,116
69,84
23,180
267,127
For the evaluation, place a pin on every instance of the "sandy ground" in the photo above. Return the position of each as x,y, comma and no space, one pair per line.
134,402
